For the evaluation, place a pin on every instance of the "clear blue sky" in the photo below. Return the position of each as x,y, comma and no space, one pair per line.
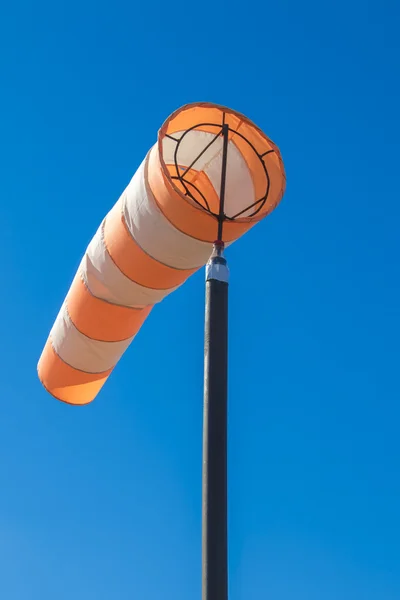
104,502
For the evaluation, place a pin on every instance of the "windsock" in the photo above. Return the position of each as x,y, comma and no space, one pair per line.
159,232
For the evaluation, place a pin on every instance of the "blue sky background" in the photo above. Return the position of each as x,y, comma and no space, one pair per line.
104,502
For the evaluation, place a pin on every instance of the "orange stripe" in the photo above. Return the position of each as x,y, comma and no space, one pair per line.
65,383
276,171
101,320
133,261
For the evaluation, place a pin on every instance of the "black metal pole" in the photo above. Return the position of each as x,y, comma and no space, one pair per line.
215,542
214,507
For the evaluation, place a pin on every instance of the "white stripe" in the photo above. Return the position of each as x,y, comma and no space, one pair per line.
240,191
154,233
190,147
81,352
107,282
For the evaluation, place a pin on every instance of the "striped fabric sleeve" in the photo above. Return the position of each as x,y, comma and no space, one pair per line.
154,238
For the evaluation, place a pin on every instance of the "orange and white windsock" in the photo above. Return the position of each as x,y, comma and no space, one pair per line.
160,231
